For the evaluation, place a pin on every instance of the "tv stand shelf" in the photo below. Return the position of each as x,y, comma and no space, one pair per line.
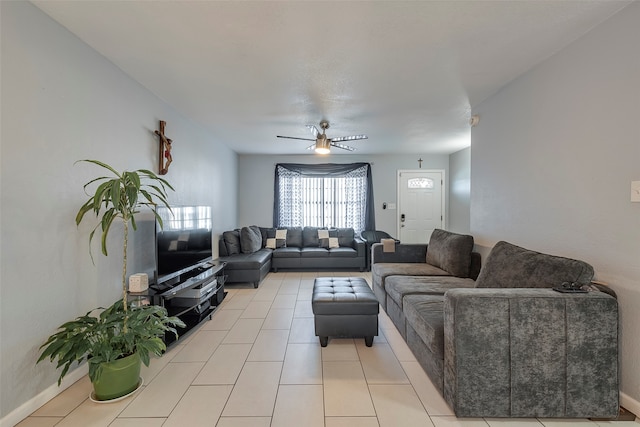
192,294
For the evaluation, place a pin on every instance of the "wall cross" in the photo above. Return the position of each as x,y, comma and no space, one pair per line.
164,152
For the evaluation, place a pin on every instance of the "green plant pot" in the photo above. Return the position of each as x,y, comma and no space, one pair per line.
118,378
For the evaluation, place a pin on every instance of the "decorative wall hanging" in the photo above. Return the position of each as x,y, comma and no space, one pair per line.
164,152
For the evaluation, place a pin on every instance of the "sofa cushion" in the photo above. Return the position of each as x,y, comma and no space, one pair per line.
314,252
510,266
232,241
251,261
343,253
425,314
250,239
397,287
286,252
385,269
450,252
294,237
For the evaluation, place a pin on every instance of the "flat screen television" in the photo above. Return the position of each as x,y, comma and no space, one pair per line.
184,241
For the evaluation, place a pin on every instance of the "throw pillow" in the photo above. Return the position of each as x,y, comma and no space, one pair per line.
232,241
450,252
267,233
280,241
250,239
325,236
334,242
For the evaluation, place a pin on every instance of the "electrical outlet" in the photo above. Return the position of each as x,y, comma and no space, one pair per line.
635,191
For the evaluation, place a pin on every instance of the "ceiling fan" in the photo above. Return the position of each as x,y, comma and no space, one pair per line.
322,143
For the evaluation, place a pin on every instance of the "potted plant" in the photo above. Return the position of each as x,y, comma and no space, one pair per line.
121,336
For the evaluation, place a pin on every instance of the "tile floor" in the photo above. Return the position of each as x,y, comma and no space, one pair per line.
259,364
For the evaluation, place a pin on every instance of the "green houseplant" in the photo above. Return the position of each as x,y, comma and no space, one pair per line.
120,334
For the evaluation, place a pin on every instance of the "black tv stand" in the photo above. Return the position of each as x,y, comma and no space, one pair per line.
191,294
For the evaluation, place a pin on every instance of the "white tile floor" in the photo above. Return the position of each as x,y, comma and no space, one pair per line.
259,364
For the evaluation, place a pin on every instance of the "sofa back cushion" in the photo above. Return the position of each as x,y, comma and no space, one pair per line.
346,236
510,266
310,237
250,239
450,252
294,237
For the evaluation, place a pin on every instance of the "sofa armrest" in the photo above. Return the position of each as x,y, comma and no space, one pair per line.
530,353
409,252
360,246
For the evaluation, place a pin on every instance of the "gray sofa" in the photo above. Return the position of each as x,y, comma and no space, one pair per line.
506,344
251,252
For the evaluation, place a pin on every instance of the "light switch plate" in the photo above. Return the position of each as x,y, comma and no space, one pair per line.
635,191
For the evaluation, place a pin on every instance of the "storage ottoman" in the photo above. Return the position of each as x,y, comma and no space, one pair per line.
344,307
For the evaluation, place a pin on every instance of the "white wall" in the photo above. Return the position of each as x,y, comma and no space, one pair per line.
460,191
552,160
256,174
62,101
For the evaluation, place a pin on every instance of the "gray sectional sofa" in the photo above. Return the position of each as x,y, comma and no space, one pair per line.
505,344
251,252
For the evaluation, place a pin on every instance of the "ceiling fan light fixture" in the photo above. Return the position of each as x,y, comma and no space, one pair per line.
322,146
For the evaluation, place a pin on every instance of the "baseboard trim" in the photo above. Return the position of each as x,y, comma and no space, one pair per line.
30,406
629,403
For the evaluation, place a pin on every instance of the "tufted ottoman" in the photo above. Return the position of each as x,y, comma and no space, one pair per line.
344,306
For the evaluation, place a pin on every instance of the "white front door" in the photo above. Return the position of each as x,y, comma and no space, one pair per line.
420,204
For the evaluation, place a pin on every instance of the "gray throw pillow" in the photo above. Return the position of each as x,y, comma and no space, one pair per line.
450,252
232,241
250,239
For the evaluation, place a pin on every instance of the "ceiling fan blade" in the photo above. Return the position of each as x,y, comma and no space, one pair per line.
349,138
293,137
344,147
314,130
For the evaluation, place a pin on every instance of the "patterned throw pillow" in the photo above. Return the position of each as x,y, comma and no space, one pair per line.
280,241
328,238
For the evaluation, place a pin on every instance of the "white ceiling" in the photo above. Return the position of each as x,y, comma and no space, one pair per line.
406,73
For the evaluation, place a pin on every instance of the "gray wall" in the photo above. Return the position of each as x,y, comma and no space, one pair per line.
460,191
256,174
62,101
552,160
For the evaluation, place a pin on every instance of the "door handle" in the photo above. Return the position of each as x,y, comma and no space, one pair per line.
402,218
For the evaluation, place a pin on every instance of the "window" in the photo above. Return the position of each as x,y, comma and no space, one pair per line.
325,195
419,183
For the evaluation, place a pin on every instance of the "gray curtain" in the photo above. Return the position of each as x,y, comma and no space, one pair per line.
346,201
